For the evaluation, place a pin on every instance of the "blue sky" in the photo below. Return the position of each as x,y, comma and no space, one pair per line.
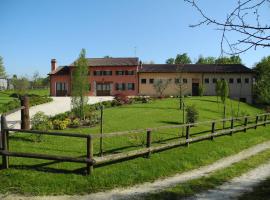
34,31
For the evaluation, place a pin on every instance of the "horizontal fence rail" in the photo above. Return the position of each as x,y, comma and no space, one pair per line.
244,123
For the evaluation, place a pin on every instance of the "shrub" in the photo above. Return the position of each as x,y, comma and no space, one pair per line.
201,90
115,103
41,122
75,123
60,124
122,99
192,114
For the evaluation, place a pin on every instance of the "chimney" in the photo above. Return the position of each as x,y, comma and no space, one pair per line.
53,64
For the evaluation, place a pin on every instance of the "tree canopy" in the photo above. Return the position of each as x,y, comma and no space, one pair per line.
262,87
221,60
2,68
179,59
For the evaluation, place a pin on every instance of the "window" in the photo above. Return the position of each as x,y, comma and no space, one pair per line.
184,80
239,80
246,80
231,80
206,80
243,99
177,81
97,73
129,72
106,73
151,80
131,86
119,73
214,80
143,81
120,86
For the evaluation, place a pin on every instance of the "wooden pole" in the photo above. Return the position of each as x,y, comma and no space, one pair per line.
246,121
187,135
257,120
265,119
232,126
89,166
213,129
25,119
148,142
4,141
101,132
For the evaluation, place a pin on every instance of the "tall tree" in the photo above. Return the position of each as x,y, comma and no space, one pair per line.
182,59
170,61
206,60
229,60
2,68
80,85
262,87
224,93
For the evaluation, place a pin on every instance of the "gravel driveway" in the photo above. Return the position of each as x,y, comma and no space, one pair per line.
58,105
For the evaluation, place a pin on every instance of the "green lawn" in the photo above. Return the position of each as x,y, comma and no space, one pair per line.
61,178
40,92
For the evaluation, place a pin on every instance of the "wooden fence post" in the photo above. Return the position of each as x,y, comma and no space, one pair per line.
213,130
4,141
89,166
101,132
232,126
257,119
265,119
25,119
187,134
246,121
148,142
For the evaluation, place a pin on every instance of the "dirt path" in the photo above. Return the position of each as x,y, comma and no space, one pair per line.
126,193
237,186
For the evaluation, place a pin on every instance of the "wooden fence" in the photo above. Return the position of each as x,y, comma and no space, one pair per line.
91,161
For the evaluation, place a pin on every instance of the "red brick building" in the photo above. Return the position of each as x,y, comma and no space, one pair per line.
107,76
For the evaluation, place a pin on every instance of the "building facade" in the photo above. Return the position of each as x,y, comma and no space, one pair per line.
127,76
107,76
190,77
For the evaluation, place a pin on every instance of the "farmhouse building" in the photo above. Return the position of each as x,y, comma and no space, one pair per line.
191,76
128,76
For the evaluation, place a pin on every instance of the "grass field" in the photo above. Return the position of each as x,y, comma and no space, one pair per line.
61,178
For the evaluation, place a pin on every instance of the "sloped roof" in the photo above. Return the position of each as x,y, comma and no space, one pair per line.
133,61
61,70
196,68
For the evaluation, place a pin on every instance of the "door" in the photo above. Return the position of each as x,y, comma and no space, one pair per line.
103,89
195,89
61,89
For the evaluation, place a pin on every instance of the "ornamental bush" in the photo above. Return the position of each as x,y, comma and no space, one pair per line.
192,114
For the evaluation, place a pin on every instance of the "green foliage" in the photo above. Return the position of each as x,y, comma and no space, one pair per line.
40,122
192,114
229,60
206,60
224,91
61,124
2,69
80,85
170,61
182,59
11,105
21,85
262,87
218,88
75,123
201,90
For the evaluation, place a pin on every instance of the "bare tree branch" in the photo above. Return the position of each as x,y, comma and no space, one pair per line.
240,21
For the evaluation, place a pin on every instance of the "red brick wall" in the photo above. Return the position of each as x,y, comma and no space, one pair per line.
101,79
